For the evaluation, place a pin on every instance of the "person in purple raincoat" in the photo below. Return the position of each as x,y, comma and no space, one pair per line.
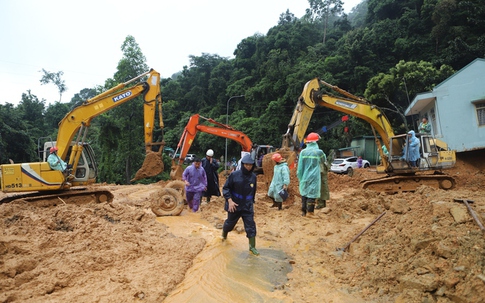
195,180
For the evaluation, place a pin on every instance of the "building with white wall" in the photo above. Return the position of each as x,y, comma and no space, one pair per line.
456,108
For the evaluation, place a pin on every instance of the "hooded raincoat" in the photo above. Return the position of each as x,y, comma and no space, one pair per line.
196,177
56,163
308,171
412,146
243,154
281,176
240,187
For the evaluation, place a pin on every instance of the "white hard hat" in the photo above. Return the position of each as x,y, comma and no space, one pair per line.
210,153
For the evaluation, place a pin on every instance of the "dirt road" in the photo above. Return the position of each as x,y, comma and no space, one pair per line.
426,248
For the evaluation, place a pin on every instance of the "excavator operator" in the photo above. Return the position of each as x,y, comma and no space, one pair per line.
56,163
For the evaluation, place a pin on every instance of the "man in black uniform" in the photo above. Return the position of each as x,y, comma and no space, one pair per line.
210,166
239,192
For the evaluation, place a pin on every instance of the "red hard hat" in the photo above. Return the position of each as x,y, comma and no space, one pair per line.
53,149
276,157
312,137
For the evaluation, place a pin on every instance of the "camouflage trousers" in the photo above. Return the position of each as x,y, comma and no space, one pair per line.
324,191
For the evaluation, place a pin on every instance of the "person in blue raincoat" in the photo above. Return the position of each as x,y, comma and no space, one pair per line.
308,173
239,192
281,180
411,149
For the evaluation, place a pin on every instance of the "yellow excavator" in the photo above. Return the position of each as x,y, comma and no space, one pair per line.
401,176
37,181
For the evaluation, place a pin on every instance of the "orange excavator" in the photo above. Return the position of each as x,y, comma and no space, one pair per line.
188,136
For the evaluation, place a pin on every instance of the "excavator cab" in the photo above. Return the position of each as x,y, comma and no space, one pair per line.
86,170
257,153
433,154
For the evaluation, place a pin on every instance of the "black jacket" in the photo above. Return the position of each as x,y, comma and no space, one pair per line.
241,187
212,177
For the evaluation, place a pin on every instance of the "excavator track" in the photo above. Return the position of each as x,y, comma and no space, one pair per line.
74,195
409,183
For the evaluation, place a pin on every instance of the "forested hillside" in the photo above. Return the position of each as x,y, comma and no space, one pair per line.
384,50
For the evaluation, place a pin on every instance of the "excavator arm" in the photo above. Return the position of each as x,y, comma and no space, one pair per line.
38,176
311,97
336,123
403,174
191,130
79,119
298,125
355,106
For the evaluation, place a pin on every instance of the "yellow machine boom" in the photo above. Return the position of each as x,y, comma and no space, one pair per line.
401,176
38,176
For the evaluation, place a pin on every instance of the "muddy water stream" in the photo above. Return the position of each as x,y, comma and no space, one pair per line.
225,271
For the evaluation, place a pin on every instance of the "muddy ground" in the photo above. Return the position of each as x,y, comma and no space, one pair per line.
425,248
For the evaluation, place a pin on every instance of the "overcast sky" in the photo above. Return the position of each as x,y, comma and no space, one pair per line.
83,38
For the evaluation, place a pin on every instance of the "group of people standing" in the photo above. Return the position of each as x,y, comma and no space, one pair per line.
239,190
312,174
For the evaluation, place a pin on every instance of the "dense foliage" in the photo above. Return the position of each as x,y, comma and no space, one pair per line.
385,50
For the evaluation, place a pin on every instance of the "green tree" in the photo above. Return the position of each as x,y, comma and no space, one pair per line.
31,110
54,78
54,113
392,91
84,95
121,128
15,141
322,10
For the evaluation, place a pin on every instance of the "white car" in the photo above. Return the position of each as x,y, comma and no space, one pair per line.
189,158
347,165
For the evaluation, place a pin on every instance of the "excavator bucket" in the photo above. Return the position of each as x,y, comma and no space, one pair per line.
176,171
152,166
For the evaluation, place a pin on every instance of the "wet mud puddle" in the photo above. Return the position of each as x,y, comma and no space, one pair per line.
225,271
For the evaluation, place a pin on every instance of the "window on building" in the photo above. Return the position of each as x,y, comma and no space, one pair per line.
480,107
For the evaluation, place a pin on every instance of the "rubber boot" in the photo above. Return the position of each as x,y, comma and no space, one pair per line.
280,205
208,199
275,204
321,204
224,235
252,246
